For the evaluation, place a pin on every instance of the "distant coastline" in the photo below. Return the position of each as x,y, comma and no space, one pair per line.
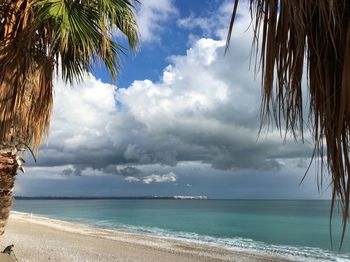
158,197
113,197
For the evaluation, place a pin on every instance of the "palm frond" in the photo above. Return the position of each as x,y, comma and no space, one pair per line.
318,33
38,35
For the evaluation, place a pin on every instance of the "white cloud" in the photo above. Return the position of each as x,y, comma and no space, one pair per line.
191,22
131,179
167,178
150,17
215,24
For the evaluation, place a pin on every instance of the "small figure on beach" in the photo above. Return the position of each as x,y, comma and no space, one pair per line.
8,249
8,254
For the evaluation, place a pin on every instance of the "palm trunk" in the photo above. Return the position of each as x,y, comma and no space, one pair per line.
8,170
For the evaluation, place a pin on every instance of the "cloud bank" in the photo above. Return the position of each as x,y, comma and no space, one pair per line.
204,108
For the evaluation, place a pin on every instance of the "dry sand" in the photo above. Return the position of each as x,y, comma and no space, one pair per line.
40,239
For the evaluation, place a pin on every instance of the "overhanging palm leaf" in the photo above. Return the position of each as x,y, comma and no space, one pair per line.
37,36
318,33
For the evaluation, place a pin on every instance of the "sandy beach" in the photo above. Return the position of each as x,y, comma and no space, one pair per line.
41,239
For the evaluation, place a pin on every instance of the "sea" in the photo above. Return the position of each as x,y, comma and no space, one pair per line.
294,229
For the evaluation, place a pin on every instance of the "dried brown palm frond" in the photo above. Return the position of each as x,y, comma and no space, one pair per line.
26,78
290,35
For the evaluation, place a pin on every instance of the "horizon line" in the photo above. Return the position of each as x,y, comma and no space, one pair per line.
167,197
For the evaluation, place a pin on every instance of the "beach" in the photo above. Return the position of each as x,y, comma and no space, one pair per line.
42,239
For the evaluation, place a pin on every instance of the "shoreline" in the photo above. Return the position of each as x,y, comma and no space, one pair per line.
38,238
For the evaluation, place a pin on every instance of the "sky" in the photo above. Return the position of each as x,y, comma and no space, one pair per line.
181,119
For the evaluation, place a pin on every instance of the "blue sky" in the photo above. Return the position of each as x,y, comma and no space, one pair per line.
182,118
169,39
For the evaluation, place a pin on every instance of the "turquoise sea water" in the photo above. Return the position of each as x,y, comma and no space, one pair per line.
295,229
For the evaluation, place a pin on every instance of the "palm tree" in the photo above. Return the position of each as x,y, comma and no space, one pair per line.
37,39
293,37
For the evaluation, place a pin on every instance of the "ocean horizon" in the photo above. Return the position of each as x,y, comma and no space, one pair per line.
294,229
